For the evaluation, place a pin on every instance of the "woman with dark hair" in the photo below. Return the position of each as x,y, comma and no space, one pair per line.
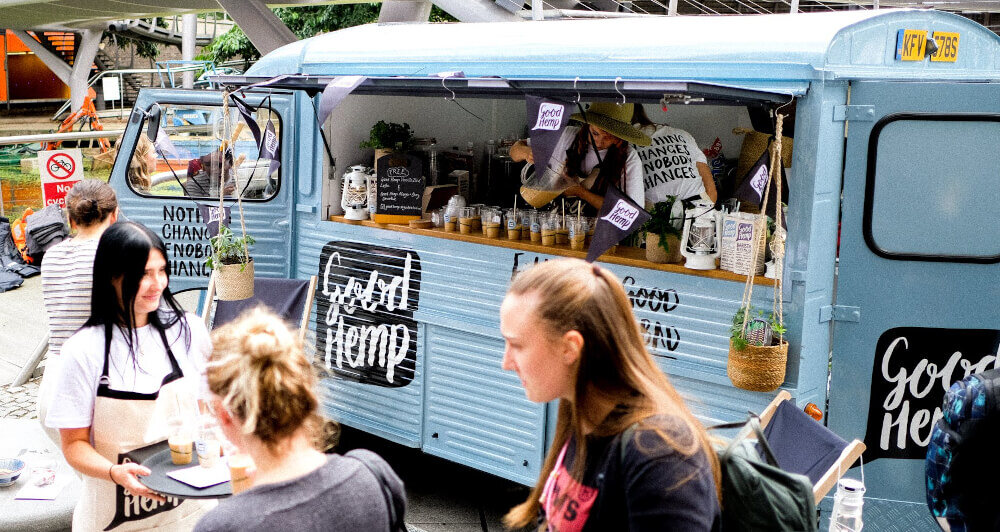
67,272
123,374
571,335
604,143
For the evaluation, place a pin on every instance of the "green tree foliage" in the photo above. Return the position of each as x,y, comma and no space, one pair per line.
143,48
304,22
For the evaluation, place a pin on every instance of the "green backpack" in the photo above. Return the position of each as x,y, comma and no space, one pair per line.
757,495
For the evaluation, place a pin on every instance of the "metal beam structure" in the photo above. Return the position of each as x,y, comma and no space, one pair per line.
264,29
55,63
477,11
404,11
86,51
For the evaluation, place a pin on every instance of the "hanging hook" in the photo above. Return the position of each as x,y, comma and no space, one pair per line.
786,104
577,90
447,89
618,90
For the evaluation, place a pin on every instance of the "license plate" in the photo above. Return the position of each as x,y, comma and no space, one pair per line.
911,45
947,46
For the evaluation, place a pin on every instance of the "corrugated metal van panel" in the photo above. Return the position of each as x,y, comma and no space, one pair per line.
476,413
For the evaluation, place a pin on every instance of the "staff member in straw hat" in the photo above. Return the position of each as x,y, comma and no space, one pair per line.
605,144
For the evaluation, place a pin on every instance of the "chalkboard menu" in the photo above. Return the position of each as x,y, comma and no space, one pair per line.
400,188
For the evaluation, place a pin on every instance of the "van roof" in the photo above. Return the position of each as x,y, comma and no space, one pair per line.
778,53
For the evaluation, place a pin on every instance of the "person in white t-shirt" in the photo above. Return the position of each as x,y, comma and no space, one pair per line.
672,164
129,369
67,273
607,126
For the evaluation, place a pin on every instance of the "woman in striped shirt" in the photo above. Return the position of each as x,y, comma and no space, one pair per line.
67,273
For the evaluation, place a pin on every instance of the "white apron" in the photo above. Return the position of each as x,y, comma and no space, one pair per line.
126,424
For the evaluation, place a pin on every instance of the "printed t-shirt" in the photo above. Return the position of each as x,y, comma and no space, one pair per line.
83,361
670,165
654,488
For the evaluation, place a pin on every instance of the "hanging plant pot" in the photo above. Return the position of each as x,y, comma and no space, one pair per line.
655,253
757,368
234,281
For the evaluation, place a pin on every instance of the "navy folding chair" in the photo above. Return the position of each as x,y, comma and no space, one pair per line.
289,298
805,446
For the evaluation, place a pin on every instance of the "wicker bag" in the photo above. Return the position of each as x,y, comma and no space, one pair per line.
234,282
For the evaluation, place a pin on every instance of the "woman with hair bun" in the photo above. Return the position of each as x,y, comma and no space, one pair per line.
67,274
264,396
627,453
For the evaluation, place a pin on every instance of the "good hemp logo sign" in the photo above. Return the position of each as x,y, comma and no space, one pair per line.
914,367
365,298
622,215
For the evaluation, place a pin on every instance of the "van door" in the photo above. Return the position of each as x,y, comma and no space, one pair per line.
185,174
916,304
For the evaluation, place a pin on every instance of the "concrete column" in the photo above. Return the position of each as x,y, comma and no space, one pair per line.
51,60
672,8
477,11
264,29
190,27
405,11
90,41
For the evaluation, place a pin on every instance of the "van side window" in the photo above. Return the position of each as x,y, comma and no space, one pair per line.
931,188
187,159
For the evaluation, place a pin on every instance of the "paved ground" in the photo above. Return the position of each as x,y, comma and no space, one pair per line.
442,496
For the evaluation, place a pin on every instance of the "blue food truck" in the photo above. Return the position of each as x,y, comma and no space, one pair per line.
889,286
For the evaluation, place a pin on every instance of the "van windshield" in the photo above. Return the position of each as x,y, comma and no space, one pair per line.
193,146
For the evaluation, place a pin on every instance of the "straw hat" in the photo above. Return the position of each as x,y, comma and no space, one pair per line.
616,119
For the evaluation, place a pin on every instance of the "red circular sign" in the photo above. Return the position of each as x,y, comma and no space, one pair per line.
60,166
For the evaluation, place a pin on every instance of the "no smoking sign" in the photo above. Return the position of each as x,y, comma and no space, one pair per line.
60,170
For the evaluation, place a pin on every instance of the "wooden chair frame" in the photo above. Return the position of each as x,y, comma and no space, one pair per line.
848,456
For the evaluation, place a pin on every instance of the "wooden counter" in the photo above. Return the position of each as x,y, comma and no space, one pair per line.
626,256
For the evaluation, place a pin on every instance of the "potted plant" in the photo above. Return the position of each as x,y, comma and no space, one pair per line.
757,350
663,232
386,137
232,263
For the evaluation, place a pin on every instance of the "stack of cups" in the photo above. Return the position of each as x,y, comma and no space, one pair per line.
437,218
513,220
491,218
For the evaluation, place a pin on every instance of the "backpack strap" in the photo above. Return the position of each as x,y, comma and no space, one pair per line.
623,444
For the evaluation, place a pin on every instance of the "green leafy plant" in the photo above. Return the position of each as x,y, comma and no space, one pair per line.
227,248
662,223
736,332
389,135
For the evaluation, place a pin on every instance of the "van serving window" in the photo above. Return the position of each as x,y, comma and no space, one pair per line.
931,187
187,158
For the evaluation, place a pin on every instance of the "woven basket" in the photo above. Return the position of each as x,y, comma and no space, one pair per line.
231,284
654,253
757,368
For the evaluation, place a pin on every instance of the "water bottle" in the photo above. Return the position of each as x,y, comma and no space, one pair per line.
847,502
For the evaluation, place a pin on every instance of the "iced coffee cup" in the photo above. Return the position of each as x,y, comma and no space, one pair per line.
577,234
209,451
491,219
180,439
241,470
550,223
450,220
513,224
562,232
535,227
468,218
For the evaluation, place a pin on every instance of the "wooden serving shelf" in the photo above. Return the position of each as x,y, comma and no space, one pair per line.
626,256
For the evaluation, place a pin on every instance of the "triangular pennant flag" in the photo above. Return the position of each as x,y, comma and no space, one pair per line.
751,190
270,148
210,215
335,92
548,118
247,113
619,217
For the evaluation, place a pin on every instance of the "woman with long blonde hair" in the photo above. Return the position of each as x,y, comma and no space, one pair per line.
571,335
